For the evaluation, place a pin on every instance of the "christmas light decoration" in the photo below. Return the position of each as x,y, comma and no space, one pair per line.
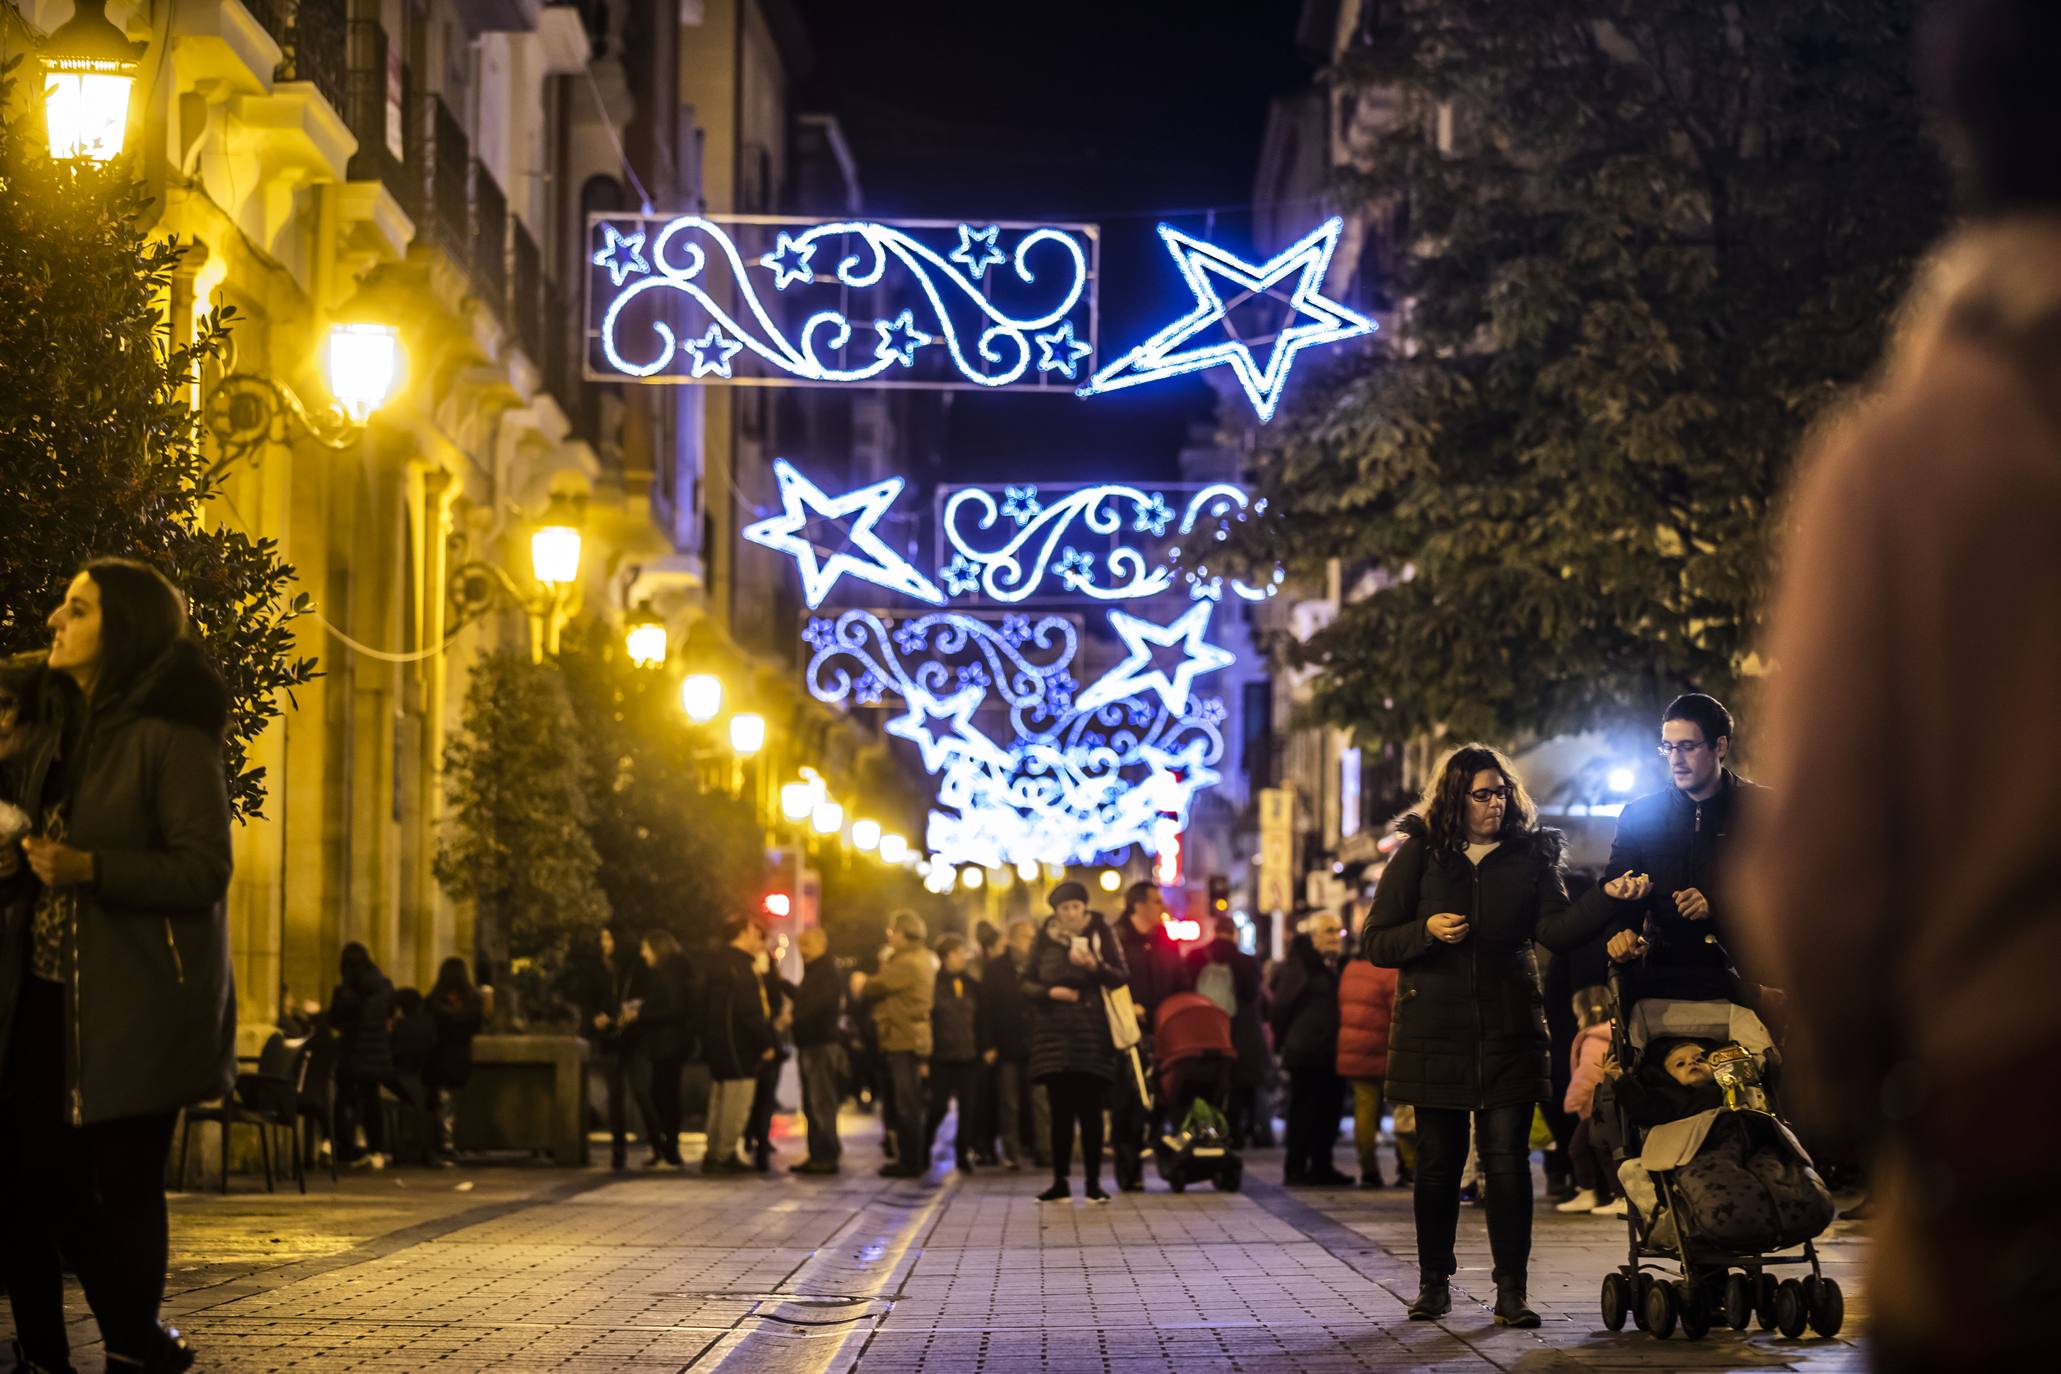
1137,673
787,533
1204,338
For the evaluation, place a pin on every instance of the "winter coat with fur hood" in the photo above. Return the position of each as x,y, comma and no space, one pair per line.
1470,1020
150,1006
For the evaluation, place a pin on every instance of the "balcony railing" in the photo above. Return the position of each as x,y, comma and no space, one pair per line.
310,35
447,178
376,118
526,293
489,238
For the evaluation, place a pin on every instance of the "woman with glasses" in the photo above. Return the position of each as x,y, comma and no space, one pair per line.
1470,889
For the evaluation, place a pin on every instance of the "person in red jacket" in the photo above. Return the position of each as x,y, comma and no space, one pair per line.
1366,1004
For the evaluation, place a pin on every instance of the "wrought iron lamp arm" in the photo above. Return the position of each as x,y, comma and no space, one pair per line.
245,411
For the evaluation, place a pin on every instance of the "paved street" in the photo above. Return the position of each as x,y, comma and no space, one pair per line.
529,1269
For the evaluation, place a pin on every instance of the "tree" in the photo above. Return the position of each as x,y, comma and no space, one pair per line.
100,452
515,840
676,851
1665,236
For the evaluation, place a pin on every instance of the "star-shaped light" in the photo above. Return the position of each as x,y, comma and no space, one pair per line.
900,338
1136,673
623,256
962,575
713,352
789,261
1060,351
978,249
1153,516
1021,504
802,500
1177,350
1177,777
942,729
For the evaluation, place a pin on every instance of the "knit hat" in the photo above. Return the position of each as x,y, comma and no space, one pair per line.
1067,892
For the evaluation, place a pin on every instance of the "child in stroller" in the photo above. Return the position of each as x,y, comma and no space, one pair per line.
1715,1178
1192,1042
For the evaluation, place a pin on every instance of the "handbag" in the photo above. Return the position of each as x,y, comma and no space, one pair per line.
1123,1017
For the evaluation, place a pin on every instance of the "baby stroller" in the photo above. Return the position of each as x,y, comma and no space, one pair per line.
1719,1278
1192,1042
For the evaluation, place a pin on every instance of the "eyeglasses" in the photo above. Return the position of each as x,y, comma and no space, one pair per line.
1485,795
1684,747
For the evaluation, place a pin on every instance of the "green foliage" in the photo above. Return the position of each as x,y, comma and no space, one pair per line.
516,836
100,452
1668,235
676,849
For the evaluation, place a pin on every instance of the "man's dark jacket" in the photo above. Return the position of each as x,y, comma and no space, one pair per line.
955,1019
1005,1013
818,1004
1305,1014
1470,1020
1681,843
735,1030
1154,961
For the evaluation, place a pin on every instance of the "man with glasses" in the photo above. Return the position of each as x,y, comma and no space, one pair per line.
1673,845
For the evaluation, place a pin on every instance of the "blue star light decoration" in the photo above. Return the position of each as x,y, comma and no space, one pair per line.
713,352
1202,339
1061,352
941,728
900,338
623,255
1021,504
789,261
802,500
978,249
961,575
1136,674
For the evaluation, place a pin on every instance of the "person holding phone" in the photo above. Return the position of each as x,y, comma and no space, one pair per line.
1073,1056
1475,882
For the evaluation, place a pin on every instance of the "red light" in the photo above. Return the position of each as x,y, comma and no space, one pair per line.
779,904
1182,930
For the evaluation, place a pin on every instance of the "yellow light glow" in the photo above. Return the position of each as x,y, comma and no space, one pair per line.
646,644
827,818
1111,880
1027,871
865,835
795,801
972,878
86,112
364,361
747,734
893,848
555,555
701,696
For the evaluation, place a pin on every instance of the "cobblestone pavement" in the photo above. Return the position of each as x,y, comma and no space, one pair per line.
530,1269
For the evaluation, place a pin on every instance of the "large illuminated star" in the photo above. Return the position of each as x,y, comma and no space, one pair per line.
1136,673
942,729
713,352
789,261
1175,778
802,501
1170,353
978,249
623,256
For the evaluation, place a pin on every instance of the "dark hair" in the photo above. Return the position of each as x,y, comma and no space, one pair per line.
946,944
1137,892
453,977
141,616
662,941
1986,70
1442,810
1706,713
409,1000
987,935
735,927
354,958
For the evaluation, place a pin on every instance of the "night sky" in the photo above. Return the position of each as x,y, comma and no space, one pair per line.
1121,113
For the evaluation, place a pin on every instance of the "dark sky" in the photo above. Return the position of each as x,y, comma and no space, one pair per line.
1120,113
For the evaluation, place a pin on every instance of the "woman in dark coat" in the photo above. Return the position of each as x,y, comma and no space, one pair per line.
460,1011
123,1010
1075,957
1469,890
665,1037
361,1010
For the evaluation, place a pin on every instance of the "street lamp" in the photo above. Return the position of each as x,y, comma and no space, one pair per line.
747,734
364,360
89,68
644,637
1111,880
246,410
827,818
701,696
865,835
796,801
973,878
893,848
555,546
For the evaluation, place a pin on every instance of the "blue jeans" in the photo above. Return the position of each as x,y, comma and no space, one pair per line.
1503,1140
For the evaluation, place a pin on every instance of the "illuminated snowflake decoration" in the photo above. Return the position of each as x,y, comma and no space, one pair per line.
1021,504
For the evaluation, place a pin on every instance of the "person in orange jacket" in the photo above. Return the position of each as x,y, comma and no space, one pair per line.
1366,1005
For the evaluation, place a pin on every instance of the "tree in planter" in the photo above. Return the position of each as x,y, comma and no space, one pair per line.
100,452
515,839
674,853
1665,236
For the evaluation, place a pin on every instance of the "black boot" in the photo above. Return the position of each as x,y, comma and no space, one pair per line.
1434,1299
1510,1308
171,1355
24,1365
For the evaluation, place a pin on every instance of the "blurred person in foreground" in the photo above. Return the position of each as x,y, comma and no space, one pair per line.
1904,883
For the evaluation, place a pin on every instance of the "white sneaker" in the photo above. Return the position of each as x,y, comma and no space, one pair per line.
1614,1209
1584,1201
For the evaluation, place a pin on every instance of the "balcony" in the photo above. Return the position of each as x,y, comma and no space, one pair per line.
489,238
388,143
446,168
526,293
311,39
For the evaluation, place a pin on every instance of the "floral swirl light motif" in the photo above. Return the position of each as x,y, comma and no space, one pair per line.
906,312
929,653
1048,538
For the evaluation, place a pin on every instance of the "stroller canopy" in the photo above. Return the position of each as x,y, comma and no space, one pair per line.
1189,1026
1657,1018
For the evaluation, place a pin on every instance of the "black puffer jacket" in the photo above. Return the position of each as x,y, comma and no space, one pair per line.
360,1009
1305,1012
955,1019
151,1006
1072,1037
459,1017
1470,1020
664,1028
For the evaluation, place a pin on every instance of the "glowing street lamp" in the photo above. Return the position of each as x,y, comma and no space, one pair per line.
364,363
893,848
827,818
89,69
555,547
644,637
701,696
972,878
796,801
1111,880
1027,870
747,734
865,835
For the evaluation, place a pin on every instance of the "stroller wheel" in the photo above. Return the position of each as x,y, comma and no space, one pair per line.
1738,1301
1692,1301
1641,1285
1662,1310
1177,1183
1231,1177
1764,1302
1792,1313
1828,1309
1617,1300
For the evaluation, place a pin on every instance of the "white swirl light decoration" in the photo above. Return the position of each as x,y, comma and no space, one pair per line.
862,658
1039,549
998,349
